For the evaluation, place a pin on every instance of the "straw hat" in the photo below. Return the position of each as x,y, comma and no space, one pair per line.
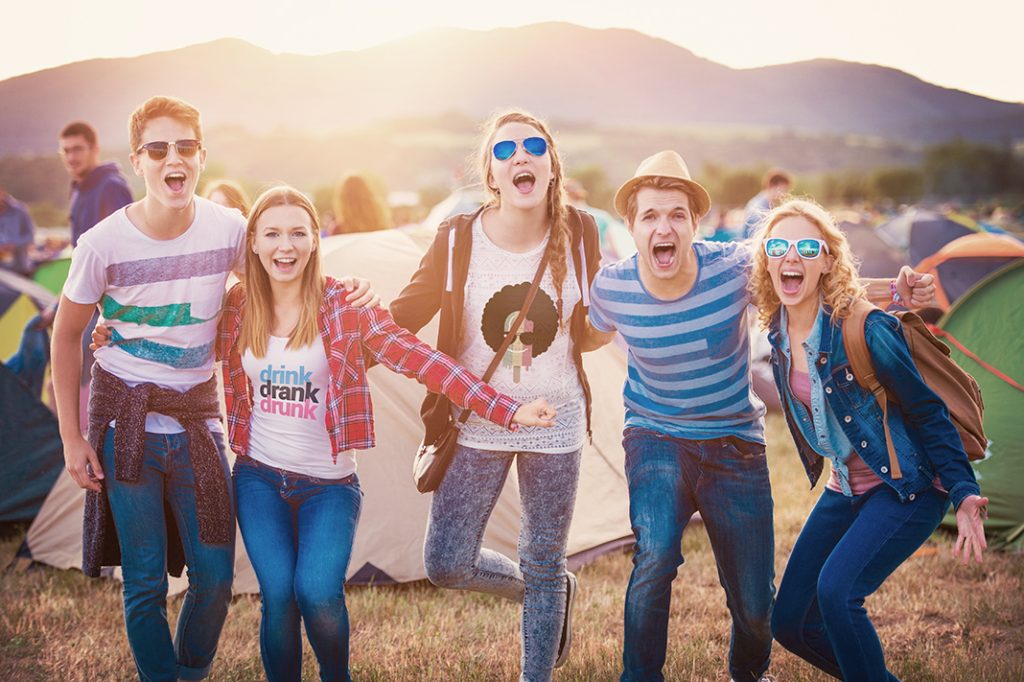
666,164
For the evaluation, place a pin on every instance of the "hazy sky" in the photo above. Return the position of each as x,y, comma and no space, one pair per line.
973,46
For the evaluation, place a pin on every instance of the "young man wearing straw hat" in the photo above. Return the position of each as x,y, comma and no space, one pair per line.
694,432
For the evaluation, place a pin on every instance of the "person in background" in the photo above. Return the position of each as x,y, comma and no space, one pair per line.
17,232
358,208
97,190
615,240
776,184
868,520
228,193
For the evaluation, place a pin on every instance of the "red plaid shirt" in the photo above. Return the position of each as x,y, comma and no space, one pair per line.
346,332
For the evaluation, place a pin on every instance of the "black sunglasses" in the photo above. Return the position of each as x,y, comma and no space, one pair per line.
158,150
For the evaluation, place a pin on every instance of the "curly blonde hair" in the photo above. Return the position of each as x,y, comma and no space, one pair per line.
840,287
557,204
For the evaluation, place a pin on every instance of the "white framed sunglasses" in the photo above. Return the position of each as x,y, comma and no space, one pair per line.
807,248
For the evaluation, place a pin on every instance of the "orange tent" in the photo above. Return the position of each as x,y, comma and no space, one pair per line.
963,262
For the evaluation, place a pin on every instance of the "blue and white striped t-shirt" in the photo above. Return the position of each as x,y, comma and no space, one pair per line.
689,358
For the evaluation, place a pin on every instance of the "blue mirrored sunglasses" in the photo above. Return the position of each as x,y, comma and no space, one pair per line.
777,247
535,146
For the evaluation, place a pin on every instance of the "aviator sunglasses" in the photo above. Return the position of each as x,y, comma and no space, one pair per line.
808,248
158,150
534,146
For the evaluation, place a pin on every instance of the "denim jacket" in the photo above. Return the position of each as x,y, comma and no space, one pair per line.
819,424
926,442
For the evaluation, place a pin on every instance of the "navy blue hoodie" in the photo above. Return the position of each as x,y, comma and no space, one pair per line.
103,191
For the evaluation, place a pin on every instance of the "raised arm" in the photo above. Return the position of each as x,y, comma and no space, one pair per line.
915,290
399,350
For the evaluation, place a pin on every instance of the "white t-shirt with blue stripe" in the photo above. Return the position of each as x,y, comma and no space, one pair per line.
689,358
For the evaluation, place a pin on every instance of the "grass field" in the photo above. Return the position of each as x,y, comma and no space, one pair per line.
937,619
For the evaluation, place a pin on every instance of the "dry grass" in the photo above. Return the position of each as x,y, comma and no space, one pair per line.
937,620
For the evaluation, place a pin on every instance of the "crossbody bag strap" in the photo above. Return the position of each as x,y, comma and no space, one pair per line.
531,294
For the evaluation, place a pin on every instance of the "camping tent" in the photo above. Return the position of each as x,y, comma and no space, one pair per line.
965,261
921,232
988,323
31,457
877,258
389,541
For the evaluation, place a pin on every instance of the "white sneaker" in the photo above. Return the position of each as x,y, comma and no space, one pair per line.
565,643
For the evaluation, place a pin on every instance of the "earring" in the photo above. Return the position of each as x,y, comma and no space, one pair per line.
551,182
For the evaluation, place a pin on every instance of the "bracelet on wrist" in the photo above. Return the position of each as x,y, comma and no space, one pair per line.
896,298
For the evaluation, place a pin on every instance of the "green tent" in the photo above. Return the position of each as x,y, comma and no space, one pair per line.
52,274
988,321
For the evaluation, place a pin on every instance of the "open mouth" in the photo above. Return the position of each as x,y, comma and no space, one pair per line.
524,182
176,181
285,264
664,254
791,281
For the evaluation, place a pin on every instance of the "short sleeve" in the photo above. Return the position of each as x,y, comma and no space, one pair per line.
87,277
239,264
599,318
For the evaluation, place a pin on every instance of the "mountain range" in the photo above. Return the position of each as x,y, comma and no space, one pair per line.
562,72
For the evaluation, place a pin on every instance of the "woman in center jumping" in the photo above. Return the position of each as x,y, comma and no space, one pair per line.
477,273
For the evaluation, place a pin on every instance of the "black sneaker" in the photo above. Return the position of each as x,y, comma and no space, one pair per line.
565,643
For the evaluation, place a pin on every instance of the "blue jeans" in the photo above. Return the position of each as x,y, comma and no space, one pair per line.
166,483
726,480
846,550
298,531
453,556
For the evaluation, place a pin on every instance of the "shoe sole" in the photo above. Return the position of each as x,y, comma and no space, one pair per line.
572,587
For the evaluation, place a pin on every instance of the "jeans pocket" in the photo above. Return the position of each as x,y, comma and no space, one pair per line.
744,449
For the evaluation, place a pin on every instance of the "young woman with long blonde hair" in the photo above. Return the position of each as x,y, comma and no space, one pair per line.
866,522
298,407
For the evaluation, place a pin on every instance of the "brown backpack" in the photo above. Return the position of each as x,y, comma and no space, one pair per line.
957,388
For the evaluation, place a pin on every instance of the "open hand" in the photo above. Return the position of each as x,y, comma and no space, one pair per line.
536,413
970,530
916,290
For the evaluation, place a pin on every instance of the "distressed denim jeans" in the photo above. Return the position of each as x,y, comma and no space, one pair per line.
454,558
726,480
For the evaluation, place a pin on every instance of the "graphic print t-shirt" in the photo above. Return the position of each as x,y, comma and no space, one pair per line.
161,299
288,428
538,364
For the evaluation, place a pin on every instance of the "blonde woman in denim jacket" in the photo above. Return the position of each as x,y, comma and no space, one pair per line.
866,523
